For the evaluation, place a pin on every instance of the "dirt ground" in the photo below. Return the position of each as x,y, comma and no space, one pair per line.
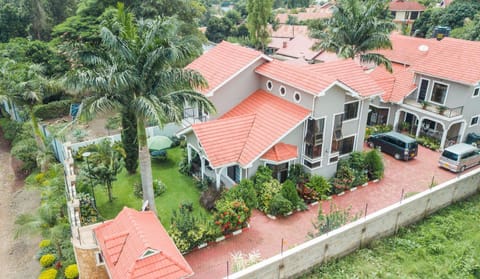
16,255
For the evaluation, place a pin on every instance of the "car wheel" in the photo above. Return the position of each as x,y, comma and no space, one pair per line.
371,144
397,156
462,169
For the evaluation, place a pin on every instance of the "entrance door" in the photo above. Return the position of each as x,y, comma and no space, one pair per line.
279,172
234,173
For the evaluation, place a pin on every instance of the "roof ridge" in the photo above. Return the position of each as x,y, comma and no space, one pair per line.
138,230
247,138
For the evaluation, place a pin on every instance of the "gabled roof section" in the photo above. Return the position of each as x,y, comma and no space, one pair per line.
223,62
298,47
248,130
281,152
135,245
296,76
396,85
288,31
452,59
404,5
407,50
349,73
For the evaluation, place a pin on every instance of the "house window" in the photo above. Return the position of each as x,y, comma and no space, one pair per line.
439,93
393,14
377,116
474,120
282,90
413,15
314,138
312,165
279,172
422,93
233,173
343,146
350,111
297,97
99,258
269,85
476,92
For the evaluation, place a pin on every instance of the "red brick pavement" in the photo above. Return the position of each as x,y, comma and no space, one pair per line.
265,235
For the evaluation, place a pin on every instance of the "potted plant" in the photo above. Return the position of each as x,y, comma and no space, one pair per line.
424,104
405,126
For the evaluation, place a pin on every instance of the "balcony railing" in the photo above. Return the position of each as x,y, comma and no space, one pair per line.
441,110
190,116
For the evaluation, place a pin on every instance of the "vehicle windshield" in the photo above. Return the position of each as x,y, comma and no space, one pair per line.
450,155
412,145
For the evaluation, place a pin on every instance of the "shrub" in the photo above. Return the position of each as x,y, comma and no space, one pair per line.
88,213
343,179
243,191
45,243
268,191
374,164
231,215
47,260
357,161
333,220
297,174
184,167
10,129
50,273
71,272
202,184
158,188
289,191
320,185
209,197
53,110
263,175
280,205
26,150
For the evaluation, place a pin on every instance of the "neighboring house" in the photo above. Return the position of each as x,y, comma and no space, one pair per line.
311,13
133,245
405,12
434,88
276,114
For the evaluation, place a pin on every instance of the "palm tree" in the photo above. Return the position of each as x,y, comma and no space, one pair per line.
139,72
355,29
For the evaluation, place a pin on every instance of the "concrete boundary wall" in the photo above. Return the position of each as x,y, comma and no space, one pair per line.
357,234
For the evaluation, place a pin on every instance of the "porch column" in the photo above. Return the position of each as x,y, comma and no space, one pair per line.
202,162
217,178
444,139
189,153
419,126
395,121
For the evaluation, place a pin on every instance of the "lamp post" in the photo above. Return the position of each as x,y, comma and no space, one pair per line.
85,155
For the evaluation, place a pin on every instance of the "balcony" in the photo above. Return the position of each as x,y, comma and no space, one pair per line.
191,116
441,110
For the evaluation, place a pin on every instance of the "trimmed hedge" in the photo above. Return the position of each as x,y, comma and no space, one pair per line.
53,110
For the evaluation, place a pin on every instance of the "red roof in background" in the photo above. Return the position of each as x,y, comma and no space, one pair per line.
130,235
281,152
288,31
249,129
296,76
405,49
316,12
223,62
349,73
402,5
452,59
299,47
396,85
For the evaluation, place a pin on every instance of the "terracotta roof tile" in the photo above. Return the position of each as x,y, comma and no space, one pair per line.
349,73
281,152
405,49
298,47
403,5
397,85
249,129
223,62
317,12
126,238
288,31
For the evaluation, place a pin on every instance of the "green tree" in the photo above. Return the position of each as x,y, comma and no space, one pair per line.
355,29
13,22
470,31
139,71
456,13
259,12
218,29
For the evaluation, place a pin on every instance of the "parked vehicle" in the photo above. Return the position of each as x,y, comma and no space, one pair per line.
398,145
459,157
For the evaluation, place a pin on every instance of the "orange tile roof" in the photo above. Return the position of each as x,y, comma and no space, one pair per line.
349,73
125,239
288,31
402,5
397,85
249,129
310,13
296,76
452,59
281,152
405,49
299,47
223,62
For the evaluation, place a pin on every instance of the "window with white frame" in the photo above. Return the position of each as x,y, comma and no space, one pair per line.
439,93
314,138
312,165
350,110
474,120
343,146
269,85
476,92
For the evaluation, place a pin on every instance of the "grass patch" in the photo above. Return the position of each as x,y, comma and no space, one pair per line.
179,188
445,245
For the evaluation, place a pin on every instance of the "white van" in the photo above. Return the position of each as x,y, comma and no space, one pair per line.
459,157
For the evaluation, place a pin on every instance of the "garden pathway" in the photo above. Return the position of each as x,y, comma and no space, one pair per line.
266,235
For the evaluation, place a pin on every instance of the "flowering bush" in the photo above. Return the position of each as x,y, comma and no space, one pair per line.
50,273
88,213
44,243
47,260
267,192
243,191
343,179
71,272
231,215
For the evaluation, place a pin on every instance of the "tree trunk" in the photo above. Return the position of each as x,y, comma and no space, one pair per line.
109,190
145,166
129,140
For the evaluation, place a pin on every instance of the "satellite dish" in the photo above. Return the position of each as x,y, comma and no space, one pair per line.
423,48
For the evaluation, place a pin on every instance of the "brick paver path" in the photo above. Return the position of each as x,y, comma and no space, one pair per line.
265,235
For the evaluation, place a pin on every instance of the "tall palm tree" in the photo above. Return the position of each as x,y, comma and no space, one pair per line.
139,72
356,28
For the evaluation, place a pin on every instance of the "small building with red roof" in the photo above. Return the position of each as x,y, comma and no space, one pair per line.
276,114
405,12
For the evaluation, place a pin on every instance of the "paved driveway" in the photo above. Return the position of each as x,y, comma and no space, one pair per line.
265,235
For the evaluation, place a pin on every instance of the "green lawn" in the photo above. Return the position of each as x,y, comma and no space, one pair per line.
445,245
179,188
